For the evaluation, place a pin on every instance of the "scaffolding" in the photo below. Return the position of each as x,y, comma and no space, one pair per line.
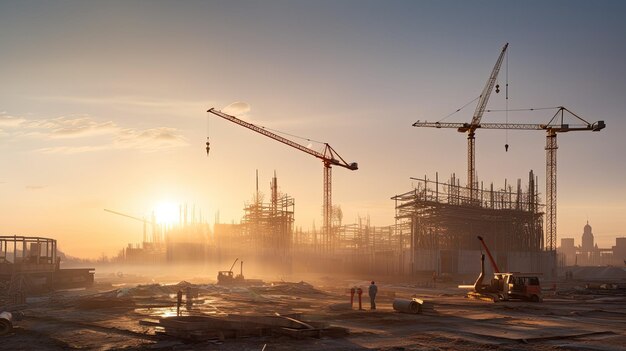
267,228
445,216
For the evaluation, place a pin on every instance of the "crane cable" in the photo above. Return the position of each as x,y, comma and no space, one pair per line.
293,135
459,109
506,93
526,109
208,144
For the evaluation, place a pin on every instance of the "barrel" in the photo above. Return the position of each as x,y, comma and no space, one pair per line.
5,323
407,306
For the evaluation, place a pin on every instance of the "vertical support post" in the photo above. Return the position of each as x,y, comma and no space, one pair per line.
551,147
436,186
551,233
471,164
327,206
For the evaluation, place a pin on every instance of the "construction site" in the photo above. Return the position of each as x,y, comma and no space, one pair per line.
418,283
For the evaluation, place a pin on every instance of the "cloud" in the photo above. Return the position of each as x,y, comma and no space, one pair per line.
71,149
150,139
139,105
82,128
10,121
73,127
237,108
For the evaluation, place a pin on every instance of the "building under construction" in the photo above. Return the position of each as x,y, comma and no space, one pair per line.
265,233
445,218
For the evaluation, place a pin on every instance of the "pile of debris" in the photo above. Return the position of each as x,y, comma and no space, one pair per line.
287,288
150,295
201,328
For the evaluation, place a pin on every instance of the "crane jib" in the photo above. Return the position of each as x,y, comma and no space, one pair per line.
327,157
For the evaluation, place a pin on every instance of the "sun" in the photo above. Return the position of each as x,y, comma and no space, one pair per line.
166,213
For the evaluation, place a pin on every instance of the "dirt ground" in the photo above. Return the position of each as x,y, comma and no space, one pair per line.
107,317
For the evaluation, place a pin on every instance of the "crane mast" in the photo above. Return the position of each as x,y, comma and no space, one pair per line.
329,158
478,115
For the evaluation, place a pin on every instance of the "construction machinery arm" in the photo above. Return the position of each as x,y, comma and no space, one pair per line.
551,125
463,127
329,156
486,93
493,262
231,267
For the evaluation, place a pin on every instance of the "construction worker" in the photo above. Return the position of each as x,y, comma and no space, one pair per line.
179,301
373,290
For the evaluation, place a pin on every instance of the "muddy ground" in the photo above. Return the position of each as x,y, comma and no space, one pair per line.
107,317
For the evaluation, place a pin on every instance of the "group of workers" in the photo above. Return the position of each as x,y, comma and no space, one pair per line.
372,291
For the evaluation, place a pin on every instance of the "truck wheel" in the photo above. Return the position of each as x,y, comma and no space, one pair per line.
534,298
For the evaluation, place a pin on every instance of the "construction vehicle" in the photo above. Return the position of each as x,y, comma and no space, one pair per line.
504,286
229,278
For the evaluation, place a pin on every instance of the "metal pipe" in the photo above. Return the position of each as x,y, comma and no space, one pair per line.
413,306
478,285
6,323
493,262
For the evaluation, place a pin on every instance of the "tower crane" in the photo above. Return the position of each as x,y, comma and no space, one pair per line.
553,127
145,224
329,158
474,124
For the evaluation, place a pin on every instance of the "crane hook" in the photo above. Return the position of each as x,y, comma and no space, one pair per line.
506,148
208,147
497,88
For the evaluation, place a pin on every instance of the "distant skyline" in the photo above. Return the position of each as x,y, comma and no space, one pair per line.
103,105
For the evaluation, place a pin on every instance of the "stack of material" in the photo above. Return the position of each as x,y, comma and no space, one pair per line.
604,274
234,326
111,299
286,288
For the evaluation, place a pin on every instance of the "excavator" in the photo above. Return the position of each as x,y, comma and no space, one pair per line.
228,277
504,286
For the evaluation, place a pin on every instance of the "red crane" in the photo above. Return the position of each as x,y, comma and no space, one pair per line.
329,158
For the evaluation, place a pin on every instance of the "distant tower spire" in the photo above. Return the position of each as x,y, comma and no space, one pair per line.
587,239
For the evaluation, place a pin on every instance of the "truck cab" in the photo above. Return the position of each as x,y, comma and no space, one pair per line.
524,287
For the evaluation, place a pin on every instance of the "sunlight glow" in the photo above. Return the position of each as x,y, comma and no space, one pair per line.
166,213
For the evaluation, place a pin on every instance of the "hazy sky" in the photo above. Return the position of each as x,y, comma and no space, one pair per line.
103,105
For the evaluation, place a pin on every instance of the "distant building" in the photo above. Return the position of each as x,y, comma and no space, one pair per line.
619,250
568,250
588,253
587,245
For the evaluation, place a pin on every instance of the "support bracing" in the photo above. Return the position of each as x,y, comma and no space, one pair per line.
327,208
551,148
471,166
